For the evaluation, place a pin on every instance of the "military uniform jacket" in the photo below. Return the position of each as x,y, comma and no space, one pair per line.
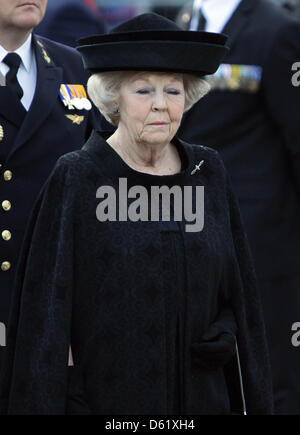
251,117
30,144
156,315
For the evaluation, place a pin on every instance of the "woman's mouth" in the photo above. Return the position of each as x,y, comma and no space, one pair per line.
28,4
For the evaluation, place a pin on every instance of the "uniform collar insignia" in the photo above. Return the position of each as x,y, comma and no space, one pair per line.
44,52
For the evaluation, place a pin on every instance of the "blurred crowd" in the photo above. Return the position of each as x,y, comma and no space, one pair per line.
67,21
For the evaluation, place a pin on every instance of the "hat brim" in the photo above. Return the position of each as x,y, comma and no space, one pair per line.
156,35
198,53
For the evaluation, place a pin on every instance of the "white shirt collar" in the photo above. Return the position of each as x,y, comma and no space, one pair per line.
25,52
218,13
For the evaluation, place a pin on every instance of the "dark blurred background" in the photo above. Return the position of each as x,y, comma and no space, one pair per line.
68,20
114,9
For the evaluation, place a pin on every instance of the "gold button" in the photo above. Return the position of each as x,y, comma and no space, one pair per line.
5,266
7,175
6,205
6,235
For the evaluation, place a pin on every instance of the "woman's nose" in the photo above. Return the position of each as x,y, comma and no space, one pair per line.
159,101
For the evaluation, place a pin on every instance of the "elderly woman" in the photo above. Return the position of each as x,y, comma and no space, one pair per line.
136,257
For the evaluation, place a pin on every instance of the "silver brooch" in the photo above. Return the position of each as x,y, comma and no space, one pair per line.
197,167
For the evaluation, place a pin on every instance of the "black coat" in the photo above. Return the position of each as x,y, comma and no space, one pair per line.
32,143
154,314
257,134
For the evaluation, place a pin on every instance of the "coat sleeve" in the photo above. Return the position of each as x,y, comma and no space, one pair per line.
252,350
34,374
281,90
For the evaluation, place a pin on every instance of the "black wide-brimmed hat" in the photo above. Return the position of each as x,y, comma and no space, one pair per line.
150,42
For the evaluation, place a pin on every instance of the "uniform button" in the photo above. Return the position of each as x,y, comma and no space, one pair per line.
6,235
6,205
7,175
5,266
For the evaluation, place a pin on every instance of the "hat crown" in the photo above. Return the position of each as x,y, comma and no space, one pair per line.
150,42
146,22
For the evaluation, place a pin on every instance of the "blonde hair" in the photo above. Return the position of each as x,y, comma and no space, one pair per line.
103,89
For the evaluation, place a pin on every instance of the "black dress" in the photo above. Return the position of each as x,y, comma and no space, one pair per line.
157,316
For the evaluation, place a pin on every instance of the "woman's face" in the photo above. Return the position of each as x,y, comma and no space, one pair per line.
151,106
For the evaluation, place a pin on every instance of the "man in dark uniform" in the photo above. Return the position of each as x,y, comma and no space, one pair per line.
252,118
44,113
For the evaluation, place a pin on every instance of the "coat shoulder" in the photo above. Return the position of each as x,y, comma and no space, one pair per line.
276,18
77,161
207,154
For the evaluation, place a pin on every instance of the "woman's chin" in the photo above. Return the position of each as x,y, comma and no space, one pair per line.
158,137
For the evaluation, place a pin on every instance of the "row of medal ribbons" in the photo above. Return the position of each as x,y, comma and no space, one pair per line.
236,77
74,96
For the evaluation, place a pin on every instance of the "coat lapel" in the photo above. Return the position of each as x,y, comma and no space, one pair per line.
238,21
49,78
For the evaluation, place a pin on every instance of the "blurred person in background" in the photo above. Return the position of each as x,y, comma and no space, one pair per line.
115,12
68,20
251,117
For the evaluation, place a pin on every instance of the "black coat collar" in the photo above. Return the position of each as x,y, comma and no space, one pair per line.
113,165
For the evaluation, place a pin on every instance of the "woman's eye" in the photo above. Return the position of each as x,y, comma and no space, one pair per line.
143,91
173,91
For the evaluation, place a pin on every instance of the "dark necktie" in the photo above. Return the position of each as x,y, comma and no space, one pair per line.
13,60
